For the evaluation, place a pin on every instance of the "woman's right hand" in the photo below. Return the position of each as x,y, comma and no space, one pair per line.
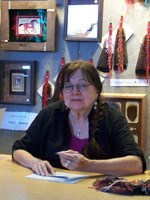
38,166
42,167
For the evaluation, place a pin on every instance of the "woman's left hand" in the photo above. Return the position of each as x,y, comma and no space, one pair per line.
73,160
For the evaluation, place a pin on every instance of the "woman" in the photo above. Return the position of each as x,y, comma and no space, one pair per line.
80,132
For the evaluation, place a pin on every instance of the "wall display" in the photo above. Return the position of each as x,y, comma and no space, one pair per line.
130,3
116,57
120,49
17,82
83,20
143,62
147,2
28,26
134,108
113,57
105,61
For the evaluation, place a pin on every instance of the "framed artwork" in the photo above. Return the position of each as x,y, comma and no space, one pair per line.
28,25
146,2
17,82
83,20
134,107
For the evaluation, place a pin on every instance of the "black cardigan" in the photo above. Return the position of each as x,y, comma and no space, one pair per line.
50,132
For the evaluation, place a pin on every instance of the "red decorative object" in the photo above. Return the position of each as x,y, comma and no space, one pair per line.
47,90
130,4
120,52
143,62
122,186
105,60
148,51
91,61
62,62
110,54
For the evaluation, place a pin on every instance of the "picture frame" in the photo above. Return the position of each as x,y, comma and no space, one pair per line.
17,82
147,2
14,11
134,108
28,26
83,20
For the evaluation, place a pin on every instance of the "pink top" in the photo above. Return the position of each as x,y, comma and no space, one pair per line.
78,144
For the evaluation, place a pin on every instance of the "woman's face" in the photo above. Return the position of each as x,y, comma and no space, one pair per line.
81,97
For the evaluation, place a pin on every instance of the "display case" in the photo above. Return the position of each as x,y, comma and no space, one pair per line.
134,108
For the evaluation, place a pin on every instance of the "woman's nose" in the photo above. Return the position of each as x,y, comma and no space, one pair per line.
75,89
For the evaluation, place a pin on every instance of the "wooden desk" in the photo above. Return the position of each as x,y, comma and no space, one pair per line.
14,186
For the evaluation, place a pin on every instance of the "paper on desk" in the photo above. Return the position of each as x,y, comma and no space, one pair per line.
60,177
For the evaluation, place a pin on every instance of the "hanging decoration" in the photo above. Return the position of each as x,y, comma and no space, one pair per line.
141,1
143,62
120,50
58,82
47,91
106,57
130,4
91,61
62,62
57,94
110,51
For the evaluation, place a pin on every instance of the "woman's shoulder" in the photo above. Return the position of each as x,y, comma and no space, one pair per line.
54,106
51,110
113,106
113,110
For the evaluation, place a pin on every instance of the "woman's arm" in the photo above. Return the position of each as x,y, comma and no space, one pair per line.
128,165
40,167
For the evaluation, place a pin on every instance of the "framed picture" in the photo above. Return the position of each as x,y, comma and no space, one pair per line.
17,82
146,2
83,20
134,108
28,25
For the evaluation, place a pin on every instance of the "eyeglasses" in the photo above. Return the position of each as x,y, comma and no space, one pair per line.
81,87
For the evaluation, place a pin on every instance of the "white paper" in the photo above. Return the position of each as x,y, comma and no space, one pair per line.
60,177
40,90
129,82
55,78
2,111
17,120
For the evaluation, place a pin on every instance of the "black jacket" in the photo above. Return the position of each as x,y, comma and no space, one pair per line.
50,132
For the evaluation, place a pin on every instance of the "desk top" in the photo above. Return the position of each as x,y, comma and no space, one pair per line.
14,186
